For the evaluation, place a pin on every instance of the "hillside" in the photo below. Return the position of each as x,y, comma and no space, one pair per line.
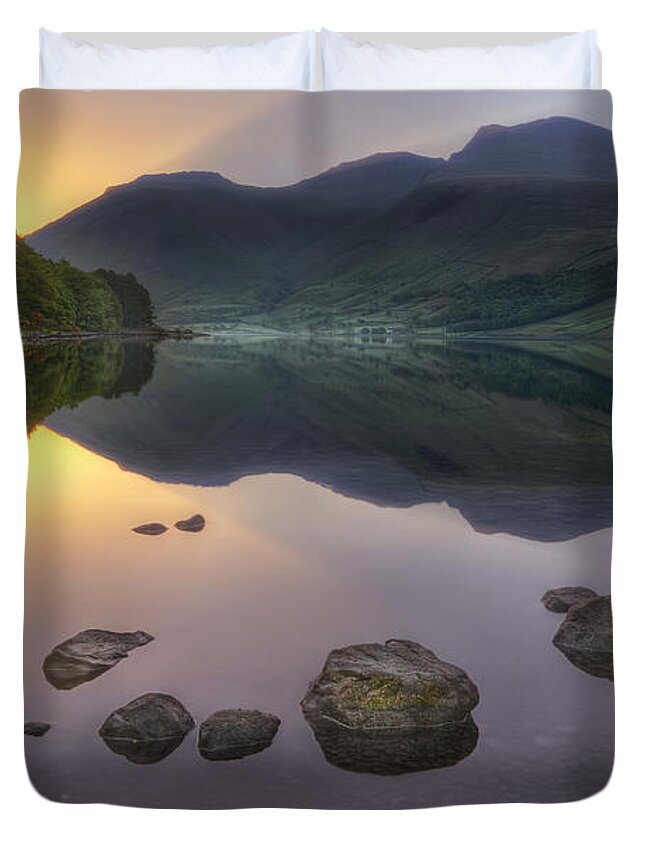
513,220
54,296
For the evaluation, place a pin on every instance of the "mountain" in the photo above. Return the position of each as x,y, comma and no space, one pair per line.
395,236
548,148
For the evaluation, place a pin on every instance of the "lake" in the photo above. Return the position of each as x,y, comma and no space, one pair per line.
353,492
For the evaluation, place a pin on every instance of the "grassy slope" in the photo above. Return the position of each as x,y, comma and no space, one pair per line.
434,254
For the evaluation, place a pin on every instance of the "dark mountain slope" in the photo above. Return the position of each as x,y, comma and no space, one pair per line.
394,232
449,237
195,235
530,200
553,147
350,191
175,232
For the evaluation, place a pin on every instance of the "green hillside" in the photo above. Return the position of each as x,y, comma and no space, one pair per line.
54,296
525,299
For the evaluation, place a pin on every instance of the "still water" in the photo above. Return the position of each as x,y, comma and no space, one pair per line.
351,494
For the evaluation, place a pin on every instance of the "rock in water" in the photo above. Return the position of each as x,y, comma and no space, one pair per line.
391,708
89,654
193,524
230,734
586,637
152,529
397,684
147,729
36,729
562,599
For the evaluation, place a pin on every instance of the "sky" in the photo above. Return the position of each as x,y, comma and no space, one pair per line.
75,144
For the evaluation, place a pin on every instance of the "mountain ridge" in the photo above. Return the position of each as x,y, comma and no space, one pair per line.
526,200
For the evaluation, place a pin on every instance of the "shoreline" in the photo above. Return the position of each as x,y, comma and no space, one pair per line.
123,334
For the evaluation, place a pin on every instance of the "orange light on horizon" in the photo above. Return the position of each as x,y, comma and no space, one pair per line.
75,144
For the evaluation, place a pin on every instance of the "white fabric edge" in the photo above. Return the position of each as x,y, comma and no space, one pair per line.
333,44
49,41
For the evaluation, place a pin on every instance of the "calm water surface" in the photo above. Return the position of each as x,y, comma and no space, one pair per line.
351,495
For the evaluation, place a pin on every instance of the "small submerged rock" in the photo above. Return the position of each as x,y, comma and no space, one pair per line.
154,528
36,728
148,728
586,637
194,524
88,654
563,598
391,708
231,734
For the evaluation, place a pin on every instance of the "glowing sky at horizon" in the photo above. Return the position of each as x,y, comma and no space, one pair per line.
75,144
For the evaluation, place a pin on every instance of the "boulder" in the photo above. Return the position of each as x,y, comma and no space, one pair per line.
586,637
148,728
36,729
391,708
193,524
231,734
88,654
154,528
397,684
560,600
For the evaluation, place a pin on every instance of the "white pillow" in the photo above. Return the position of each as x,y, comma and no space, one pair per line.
567,62
286,62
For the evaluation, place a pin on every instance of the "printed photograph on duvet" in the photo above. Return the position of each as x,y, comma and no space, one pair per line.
319,394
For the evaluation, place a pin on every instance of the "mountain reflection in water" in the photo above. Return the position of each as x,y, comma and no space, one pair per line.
518,442
285,569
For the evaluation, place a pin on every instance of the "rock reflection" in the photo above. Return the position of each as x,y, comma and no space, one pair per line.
143,751
392,752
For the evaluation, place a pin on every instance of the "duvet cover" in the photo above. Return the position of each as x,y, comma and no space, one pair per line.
319,413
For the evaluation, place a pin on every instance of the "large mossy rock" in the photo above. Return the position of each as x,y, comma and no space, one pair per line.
563,598
148,728
397,684
391,708
88,654
231,734
586,637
